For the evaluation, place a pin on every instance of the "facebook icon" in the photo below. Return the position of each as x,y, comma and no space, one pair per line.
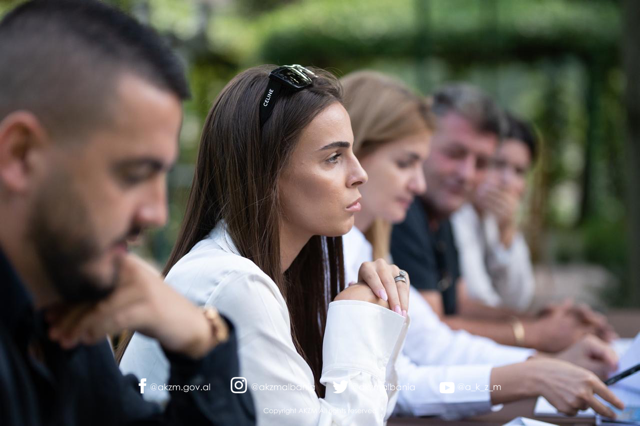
142,384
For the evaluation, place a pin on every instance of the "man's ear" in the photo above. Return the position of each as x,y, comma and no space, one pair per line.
22,140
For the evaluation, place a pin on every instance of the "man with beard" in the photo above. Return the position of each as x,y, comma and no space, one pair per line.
90,111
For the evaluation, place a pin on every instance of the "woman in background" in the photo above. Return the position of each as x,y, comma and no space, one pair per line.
494,256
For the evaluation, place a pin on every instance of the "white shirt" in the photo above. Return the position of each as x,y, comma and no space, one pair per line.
494,274
433,354
361,342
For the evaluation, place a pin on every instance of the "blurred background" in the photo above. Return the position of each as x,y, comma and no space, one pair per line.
569,66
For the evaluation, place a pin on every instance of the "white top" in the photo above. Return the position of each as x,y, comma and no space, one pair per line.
435,354
495,275
361,343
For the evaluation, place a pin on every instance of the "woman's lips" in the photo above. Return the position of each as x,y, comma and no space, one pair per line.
355,206
405,203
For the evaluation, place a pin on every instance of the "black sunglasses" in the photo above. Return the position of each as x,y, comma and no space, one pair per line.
294,77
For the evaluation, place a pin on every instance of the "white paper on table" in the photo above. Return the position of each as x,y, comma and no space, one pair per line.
621,346
628,389
523,421
544,409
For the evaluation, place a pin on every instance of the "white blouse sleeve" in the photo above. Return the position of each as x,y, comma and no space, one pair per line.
431,342
360,341
435,354
450,392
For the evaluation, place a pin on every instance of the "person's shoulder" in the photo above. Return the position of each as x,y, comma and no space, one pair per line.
211,262
211,274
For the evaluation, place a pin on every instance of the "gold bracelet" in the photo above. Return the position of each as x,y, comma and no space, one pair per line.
518,330
219,328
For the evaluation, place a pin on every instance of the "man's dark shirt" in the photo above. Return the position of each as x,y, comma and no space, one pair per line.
429,256
84,386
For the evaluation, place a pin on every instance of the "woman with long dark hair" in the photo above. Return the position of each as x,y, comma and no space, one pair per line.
275,188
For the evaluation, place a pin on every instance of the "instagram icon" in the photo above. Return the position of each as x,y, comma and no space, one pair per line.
238,385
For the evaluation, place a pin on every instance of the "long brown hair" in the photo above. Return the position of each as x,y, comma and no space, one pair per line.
236,181
382,110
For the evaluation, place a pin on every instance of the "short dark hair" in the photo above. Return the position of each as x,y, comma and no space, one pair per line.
520,130
61,60
472,104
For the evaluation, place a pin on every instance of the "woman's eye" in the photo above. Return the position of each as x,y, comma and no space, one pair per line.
403,164
334,158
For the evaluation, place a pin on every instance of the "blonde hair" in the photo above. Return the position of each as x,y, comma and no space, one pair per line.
382,110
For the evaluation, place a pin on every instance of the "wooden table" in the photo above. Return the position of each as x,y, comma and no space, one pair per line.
509,412
625,321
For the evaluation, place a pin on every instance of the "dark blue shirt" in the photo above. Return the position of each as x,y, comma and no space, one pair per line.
428,255
84,386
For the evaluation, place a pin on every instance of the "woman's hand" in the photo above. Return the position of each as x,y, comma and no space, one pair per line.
586,315
556,330
141,302
503,206
361,292
567,387
380,276
593,354
570,388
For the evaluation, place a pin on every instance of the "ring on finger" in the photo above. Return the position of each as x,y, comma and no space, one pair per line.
402,276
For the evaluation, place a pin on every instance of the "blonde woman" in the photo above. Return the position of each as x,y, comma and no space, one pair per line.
392,130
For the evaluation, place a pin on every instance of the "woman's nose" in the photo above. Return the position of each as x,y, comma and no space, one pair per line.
357,176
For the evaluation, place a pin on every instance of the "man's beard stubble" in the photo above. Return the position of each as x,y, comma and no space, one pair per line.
65,243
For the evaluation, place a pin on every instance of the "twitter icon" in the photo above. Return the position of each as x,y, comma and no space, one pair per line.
340,387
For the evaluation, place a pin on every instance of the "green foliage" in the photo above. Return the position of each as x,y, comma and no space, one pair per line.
7,5
604,244
461,30
179,18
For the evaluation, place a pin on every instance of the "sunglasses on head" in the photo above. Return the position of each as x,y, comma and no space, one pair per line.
292,77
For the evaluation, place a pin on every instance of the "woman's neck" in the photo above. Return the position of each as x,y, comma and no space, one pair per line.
291,243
